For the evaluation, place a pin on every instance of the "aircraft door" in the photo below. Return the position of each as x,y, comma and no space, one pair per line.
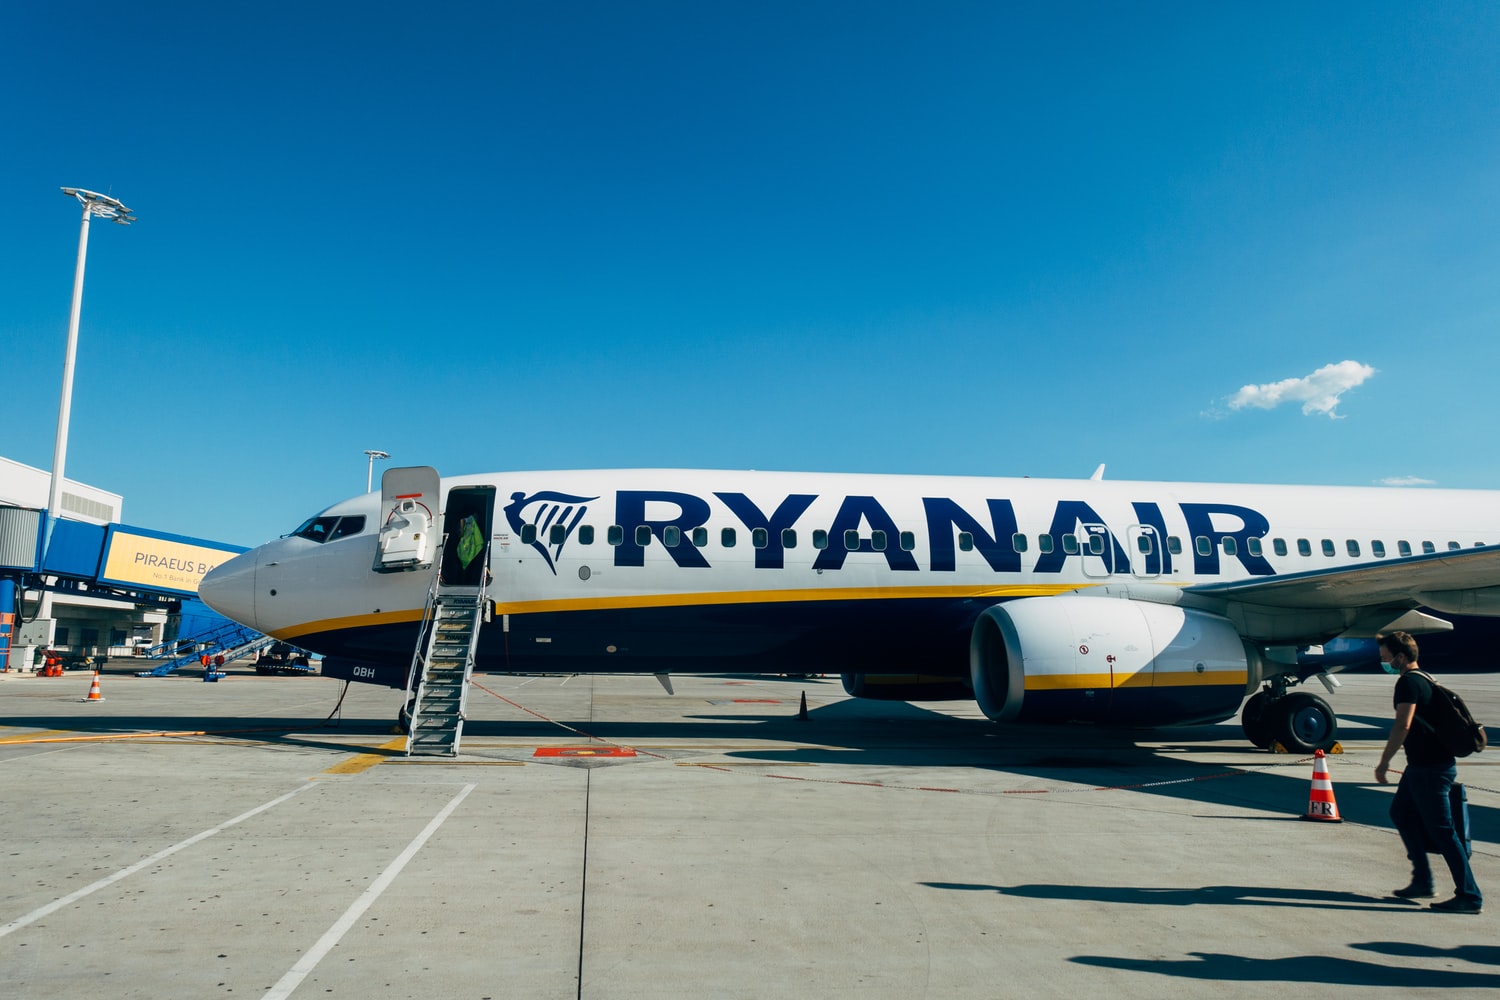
1143,545
468,518
1097,548
409,524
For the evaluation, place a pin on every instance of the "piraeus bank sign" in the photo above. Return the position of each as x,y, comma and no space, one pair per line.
137,558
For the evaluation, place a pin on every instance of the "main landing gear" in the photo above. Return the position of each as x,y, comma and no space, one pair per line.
1301,721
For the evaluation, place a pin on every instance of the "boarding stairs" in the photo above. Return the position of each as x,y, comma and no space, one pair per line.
438,685
231,641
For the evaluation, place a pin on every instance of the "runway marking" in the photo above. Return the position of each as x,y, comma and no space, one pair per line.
74,897
360,763
584,752
309,961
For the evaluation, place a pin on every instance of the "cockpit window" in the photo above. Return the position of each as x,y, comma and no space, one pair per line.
324,529
349,526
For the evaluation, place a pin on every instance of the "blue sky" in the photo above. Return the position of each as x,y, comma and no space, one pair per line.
1255,242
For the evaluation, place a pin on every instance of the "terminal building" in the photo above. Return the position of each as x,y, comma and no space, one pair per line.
84,584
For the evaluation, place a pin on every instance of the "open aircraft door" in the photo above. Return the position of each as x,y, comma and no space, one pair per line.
468,518
410,519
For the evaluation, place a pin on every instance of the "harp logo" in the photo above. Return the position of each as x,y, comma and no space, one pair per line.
555,516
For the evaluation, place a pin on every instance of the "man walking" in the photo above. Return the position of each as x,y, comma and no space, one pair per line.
1421,810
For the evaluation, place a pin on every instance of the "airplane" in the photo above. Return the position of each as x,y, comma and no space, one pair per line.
1044,600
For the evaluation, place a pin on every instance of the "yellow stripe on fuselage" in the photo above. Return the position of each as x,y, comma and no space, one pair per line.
1145,679
687,600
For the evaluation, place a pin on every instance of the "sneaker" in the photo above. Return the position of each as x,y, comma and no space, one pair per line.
1456,905
1417,890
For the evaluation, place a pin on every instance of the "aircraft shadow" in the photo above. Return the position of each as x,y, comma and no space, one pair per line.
1296,969
1300,969
1207,895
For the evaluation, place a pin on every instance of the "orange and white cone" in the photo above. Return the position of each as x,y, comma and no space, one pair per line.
94,694
1320,802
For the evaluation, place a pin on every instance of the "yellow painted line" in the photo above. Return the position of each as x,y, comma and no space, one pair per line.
40,734
360,763
740,763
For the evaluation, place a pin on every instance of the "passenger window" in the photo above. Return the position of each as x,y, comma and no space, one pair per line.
760,538
528,534
1231,547
1143,543
1096,545
615,535
1070,544
908,541
1377,549
726,538
1174,545
671,536
1452,546
1018,542
877,540
1278,546
557,534
1328,546
1428,547
349,526
1252,546
643,535
1352,547
820,538
1203,545
965,541
586,534
1044,544
1403,547
1304,547
851,540
788,538
700,537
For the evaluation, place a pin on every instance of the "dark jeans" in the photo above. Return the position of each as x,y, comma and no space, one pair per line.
1424,819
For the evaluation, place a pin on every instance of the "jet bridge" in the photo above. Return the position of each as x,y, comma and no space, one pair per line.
116,562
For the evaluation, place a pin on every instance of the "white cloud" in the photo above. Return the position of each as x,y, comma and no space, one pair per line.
1405,481
1318,392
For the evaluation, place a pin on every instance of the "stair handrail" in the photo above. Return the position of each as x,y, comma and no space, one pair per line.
415,671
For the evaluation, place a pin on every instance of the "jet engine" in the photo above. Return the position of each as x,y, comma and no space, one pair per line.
1102,659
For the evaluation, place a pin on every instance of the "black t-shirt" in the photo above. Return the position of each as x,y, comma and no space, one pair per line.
1422,746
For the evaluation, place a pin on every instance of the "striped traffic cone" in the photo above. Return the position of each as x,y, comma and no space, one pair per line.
1320,801
94,694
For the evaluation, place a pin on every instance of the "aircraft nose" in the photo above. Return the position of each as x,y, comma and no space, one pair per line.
229,588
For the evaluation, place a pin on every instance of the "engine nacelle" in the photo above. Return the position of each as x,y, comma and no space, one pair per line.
1103,659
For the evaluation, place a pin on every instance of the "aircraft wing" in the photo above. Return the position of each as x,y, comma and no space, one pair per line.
1463,581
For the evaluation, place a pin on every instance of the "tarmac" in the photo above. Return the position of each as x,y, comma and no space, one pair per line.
598,838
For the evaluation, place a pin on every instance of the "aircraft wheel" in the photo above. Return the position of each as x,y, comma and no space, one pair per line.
403,717
1255,721
1304,722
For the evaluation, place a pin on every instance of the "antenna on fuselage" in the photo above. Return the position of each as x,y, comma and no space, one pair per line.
1098,473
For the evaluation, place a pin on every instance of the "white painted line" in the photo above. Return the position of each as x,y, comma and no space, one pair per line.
309,961
53,907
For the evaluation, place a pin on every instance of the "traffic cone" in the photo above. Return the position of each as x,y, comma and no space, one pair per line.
94,694
1320,802
802,712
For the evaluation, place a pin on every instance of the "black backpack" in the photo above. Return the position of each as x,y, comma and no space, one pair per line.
1450,720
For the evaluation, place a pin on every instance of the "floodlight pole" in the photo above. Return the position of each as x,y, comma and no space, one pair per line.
107,208
370,472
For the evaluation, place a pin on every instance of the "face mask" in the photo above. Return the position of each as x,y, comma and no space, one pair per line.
1389,668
